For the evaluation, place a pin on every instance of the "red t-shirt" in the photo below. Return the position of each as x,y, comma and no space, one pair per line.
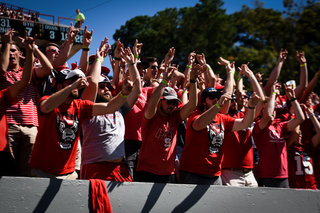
239,151
272,148
159,139
133,119
282,108
24,111
307,127
300,164
5,101
203,151
56,144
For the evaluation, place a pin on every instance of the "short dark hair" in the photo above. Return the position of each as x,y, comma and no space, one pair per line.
151,59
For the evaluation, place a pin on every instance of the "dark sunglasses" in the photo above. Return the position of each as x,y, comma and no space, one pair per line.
91,62
103,86
233,99
53,50
154,67
174,102
244,96
214,95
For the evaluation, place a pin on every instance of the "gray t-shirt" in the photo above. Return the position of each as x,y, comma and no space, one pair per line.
103,137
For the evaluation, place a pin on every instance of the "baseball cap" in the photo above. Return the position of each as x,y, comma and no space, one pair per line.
170,94
144,63
104,79
210,92
66,74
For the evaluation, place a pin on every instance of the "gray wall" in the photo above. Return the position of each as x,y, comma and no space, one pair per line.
51,195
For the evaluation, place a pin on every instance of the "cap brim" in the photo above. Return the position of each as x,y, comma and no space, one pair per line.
171,98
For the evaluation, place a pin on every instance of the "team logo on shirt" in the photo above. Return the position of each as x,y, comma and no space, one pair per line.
215,136
166,134
276,137
68,126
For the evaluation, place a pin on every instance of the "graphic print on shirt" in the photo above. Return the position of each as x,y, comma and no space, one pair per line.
276,137
304,164
215,136
67,127
166,134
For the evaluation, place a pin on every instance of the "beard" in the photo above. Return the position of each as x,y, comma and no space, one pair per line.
103,99
74,94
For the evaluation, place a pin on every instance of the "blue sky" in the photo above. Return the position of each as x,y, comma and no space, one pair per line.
108,15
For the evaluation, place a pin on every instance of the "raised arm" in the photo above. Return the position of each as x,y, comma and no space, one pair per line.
66,49
4,57
312,84
136,50
193,96
115,103
303,75
86,41
254,83
117,56
276,71
29,44
134,76
299,116
90,92
60,96
247,120
206,117
191,59
269,109
316,124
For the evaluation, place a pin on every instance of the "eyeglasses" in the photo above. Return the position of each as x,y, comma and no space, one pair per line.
91,62
174,102
103,86
214,95
53,50
154,67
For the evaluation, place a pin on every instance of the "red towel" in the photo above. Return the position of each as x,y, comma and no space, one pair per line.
99,195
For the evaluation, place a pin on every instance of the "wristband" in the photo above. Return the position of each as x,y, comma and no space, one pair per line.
273,93
117,59
135,56
131,64
36,47
231,72
185,91
316,75
239,79
209,68
123,95
189,66
251,107
311,115
303,65
193,81
98,59
293,99
85,48
218,106
164,82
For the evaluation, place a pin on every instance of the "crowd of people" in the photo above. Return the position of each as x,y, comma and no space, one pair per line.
17,14
151,122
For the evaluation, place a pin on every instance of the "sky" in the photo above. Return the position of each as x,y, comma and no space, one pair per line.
106,16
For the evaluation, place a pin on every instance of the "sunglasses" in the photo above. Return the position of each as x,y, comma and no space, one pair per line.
174,102
154,67
53,50
244,96
103,86
233,99
214,95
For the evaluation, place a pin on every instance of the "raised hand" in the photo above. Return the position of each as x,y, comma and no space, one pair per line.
245,70
195,71
191,58
72,33
254,100
229,66
28,42
275,87
136,49
224,99
87,37
301,58
169,56
201,59
283,55
118,50
7,37
127,85
290,93
127,55
258,76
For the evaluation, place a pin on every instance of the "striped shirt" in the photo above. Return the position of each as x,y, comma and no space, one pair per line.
24,112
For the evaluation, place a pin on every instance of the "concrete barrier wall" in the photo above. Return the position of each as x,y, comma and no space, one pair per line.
51,195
